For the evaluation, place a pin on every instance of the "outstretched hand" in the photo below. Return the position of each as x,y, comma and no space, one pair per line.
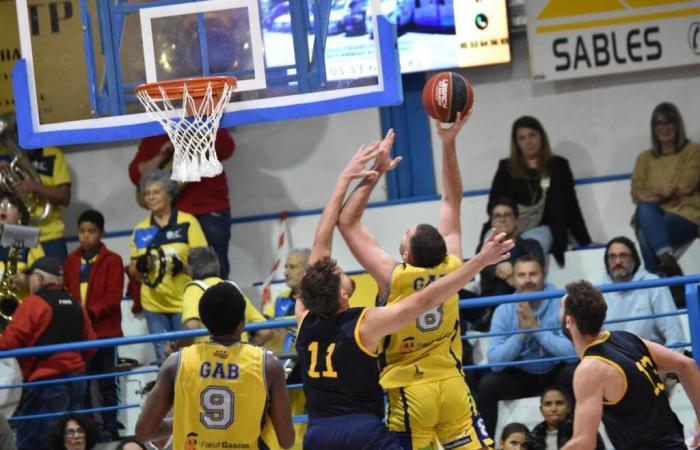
449,134
384,162
496,248
356,168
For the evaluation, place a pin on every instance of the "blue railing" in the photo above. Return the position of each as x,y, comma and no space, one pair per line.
691,293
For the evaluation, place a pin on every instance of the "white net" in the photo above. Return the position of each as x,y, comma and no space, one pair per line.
191,125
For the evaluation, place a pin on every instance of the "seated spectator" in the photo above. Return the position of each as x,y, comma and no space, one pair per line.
542,186
557,427
508,383
204,267
623,264
513,437
130,444
498,279
665,190
72,432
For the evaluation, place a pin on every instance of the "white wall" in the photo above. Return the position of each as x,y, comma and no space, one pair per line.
599,124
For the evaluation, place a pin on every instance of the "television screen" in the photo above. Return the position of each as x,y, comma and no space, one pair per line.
432,34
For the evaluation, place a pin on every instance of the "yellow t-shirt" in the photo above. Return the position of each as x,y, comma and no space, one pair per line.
52,169
176,238
220,397
192,295
25,259
430,348
683,167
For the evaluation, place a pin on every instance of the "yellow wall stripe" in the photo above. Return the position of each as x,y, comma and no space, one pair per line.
619,20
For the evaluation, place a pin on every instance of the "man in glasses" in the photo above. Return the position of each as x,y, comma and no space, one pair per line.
623,264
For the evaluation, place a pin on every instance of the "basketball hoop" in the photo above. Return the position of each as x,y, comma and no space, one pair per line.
189,110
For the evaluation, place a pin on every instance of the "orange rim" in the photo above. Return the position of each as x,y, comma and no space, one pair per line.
196,87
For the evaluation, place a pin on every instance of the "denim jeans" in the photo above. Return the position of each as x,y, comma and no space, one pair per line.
59,397
161,323
659,232
217,229
55,248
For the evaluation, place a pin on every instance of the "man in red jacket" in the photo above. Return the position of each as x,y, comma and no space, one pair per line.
206,199
93,274
47,316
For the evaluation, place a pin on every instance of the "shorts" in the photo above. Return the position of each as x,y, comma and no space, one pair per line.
441,409
349,432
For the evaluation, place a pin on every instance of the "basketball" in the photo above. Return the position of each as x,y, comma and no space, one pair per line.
445,94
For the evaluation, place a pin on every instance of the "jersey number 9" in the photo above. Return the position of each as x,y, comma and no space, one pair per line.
217,406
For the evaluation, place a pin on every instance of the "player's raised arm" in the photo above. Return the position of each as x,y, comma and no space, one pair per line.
323,239
669,361
450,225
151,424
279,410
382,321
362,244
589,382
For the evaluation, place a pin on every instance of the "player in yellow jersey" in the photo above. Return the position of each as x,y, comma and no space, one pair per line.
421,365
336,343
222,390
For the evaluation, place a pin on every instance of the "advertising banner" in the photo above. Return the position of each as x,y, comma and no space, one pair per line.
572,39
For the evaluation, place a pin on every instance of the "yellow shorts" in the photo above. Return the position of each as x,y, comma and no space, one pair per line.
440,409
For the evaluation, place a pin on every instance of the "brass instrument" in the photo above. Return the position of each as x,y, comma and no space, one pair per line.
9,300
18,169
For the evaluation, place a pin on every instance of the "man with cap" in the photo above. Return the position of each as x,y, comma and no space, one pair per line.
48,315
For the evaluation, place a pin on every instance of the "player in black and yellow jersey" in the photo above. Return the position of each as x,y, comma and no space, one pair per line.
421,363
617,379
222,390
336,343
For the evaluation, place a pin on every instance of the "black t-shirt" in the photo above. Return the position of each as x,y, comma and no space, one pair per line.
339,377
642,418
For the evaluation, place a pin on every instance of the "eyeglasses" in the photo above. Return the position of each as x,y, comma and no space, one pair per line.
664,124
74,432
612,257
5,205
504,216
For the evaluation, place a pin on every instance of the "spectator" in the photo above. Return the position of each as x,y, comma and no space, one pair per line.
283,305
665,190
528,379
498,279
14,211
130,444
542,185
207,200
52,184
72,432
47,316
623,264
513,437
557,427
93,274
7,440
204,267
175,232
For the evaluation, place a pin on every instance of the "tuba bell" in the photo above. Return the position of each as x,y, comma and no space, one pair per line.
9,300
18,169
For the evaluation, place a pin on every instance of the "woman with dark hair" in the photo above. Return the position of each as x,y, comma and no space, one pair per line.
558,426
542,186
665,190
513,437
73,432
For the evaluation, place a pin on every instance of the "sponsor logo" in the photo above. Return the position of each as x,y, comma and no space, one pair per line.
694,37
441,93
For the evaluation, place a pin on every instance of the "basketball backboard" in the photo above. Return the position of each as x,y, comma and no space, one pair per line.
81,60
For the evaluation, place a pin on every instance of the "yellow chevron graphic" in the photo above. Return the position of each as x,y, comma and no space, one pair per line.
567,8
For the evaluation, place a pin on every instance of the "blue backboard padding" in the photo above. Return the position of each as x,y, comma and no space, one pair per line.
392,94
